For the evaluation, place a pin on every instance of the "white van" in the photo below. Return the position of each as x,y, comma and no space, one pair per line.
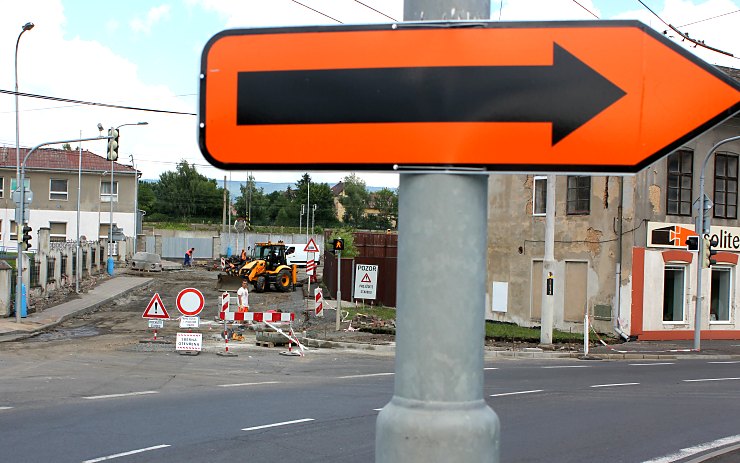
295,254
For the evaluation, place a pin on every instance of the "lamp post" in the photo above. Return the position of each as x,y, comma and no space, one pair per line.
110,224
26,27
136,204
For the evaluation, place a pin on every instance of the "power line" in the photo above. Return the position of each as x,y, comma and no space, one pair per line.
589,11
74,105
92,103
653,12
316,11
379,12
708,19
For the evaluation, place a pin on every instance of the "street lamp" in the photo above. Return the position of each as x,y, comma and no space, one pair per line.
26,27
136,204
110,224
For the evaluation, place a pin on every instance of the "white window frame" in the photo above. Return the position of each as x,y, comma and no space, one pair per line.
106,197
59,192
539,178
54,237
685,270
26,182
13,231
730,295
2,187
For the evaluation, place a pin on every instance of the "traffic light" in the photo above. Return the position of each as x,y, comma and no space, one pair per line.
338,245
113,145
692,243
707,260
26,238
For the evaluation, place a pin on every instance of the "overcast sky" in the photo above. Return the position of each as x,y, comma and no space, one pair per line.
146,54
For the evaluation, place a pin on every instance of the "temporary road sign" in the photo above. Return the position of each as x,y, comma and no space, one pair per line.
366,281
225,299
190,301
189,342
155,323
155,309
189,322
597,96
311,246
310,267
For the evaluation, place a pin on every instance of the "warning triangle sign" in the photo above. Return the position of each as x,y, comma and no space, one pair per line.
311,246
366,279
155,309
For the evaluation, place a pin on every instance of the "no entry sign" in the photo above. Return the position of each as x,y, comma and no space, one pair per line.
190,301
599,96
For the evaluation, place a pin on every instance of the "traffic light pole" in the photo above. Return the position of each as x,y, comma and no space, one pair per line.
19,223
702,227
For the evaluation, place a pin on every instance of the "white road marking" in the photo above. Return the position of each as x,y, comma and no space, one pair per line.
248,384
709,379
125,454
366,376
687,452
377,409
516,393
734,361
614,385
491,368
650,364
284,423
112,396
569,366
5,408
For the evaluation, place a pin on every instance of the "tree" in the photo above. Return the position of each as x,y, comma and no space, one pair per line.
253,201
186,194
355,200
321,197
67,147
146,197
385,201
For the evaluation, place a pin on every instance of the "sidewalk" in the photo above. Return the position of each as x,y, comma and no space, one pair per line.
105,292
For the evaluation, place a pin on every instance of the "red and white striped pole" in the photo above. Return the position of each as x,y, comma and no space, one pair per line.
155,334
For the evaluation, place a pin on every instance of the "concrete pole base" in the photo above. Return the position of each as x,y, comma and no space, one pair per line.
412,431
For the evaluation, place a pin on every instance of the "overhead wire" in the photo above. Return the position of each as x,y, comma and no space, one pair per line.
377,11
93,103
316,11
589,11
709,19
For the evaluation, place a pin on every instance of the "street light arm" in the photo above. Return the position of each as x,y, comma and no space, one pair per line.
25,158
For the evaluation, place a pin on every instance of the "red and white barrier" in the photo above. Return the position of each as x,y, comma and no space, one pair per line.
319,306
258,316
225,302
310,267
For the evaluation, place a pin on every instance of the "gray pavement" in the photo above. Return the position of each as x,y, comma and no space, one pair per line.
114,287
103,293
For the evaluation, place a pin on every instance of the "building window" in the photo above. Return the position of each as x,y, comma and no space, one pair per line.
680,183
539,196
26,183
579,195
673,294
58,189
58,232
725,186
719,309
105,192
2,187
13,231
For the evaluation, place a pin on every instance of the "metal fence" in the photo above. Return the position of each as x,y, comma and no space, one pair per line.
64,264
35,274
50,263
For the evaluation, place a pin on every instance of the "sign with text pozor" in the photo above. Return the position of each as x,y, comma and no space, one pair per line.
189,342
379,96
366,281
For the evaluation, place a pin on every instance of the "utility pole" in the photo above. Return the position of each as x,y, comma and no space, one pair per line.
548,266
223,220
437,413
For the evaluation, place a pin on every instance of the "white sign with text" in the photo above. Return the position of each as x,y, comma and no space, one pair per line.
366,281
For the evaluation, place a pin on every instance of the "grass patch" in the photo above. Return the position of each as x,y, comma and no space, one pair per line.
383,313
511,332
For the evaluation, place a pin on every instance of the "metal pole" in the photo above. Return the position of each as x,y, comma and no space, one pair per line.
110,224
19,263
437,413
339,288
703,228
308,208
136,204
77,249
548,264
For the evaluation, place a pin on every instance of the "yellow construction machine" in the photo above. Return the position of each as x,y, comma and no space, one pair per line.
266,268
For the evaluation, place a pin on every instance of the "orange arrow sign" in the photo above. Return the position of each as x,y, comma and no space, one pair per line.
604,96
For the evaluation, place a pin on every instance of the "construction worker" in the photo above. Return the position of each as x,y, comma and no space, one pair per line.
244,255
242,297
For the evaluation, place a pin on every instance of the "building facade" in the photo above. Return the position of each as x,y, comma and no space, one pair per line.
52,176
620,246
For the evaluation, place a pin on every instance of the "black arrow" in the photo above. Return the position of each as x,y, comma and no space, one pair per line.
569,93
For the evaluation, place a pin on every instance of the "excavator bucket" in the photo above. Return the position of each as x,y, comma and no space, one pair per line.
228,282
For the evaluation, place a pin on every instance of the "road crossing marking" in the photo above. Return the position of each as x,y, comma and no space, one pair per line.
689,451
709,379
650,364
284,423
5,408
366,376
125,454
249,384
614,385
491,368
732,361
112,396
517,393
569,366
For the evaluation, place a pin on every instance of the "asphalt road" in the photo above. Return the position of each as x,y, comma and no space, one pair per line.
64,401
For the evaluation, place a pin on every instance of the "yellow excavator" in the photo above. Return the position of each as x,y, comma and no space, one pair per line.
266,268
